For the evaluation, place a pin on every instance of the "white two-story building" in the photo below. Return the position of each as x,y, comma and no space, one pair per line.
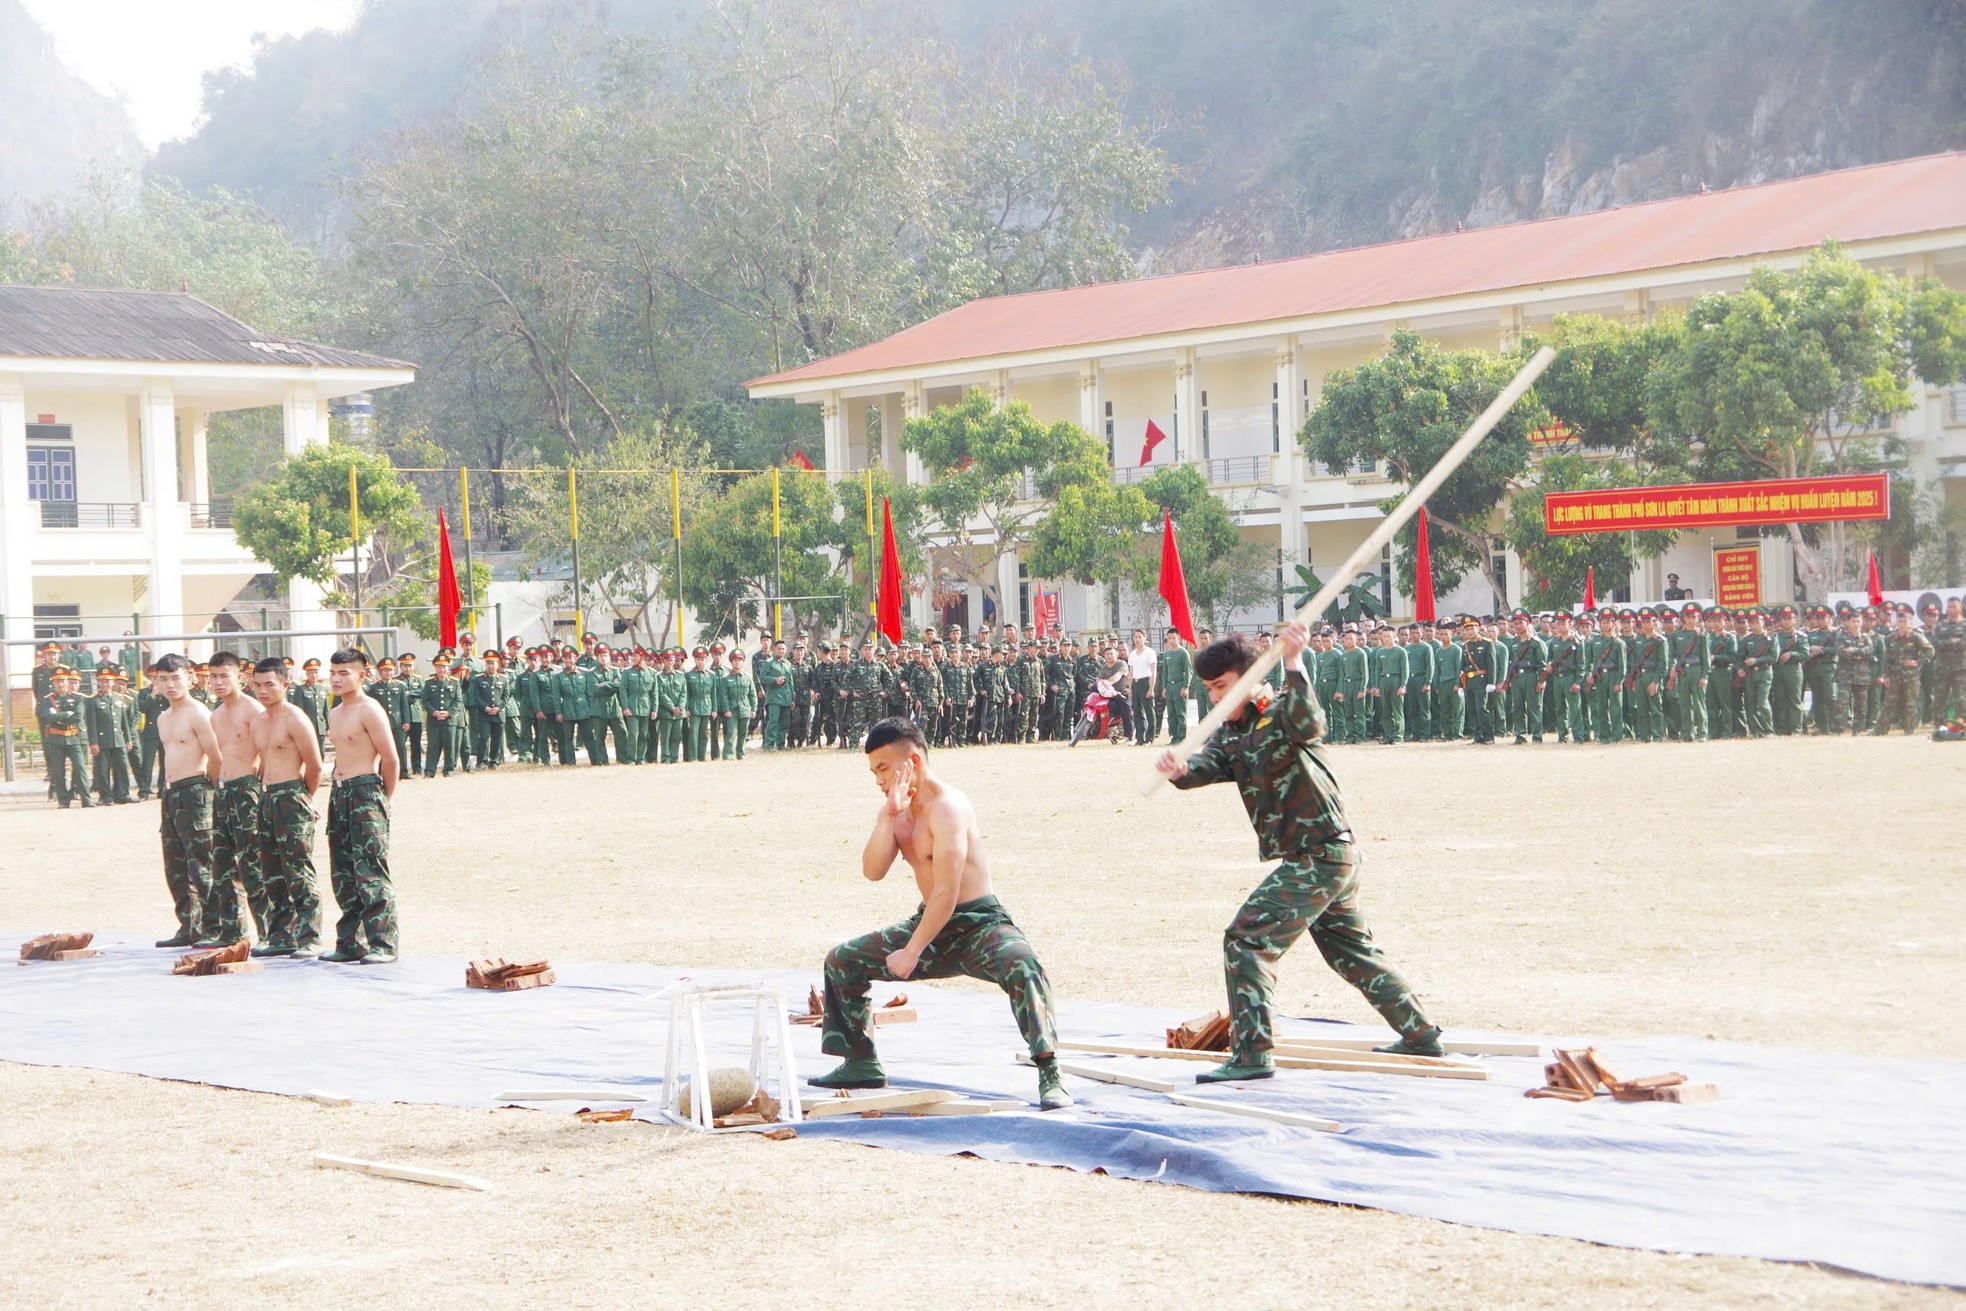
1228,363
107,519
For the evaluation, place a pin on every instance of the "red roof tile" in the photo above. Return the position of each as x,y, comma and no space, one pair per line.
1858,204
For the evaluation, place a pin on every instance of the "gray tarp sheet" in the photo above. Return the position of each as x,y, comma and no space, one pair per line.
1850,1162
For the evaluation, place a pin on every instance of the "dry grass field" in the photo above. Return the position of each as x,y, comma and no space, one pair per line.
1803,893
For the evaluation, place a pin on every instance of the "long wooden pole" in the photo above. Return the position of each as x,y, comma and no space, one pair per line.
1374,542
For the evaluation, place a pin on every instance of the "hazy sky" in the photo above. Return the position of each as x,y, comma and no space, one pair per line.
155,53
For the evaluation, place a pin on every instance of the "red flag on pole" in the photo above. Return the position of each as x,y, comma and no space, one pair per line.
1875,587
887,606
1590,587
1423,573
1154,438
799,458
449,599
1174,584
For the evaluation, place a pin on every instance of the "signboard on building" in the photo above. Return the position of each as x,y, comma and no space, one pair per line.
1737,575
1706,505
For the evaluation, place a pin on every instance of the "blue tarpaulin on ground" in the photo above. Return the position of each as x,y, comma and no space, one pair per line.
1845,1161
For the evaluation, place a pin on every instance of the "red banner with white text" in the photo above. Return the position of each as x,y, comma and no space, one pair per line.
1704,505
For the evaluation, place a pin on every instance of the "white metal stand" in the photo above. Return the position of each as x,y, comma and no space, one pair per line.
688,1059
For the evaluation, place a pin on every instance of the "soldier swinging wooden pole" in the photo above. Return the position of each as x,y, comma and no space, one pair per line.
1375,541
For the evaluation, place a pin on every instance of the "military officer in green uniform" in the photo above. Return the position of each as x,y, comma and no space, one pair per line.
1791,655
1173,672
775,675
485,699
1649,663
671,706
1723,661
443,708
737,705
112,730
700,700
64,715
1417,642
1481,664
393,695
1605,656
1948,698
1388,690
150,756
580,704
1754,678
1270,749
1907,651
1350,715
1563,680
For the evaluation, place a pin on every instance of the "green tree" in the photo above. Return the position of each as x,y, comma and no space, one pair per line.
1598,386
1404,410
1224,573
411,597
1001,468
298,522
1785,378
1558,562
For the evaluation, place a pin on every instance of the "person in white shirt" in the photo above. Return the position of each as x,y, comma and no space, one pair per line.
1140,664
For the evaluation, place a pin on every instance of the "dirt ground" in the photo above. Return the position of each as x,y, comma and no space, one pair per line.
1804,893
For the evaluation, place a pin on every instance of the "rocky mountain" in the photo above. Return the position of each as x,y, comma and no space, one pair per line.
60,132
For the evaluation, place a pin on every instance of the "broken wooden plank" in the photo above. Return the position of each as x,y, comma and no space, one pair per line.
1454,1047
1566,1094
239,967
899,1015
1687,1093
569,1095
1293,1048
1577,1066
819,1108
1291,1118
1099,1075
415,1174
1339,1065
320,1098
967,1106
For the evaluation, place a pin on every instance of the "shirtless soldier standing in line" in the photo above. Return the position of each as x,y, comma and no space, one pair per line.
235,812
959,929
289,773
191,762
1269,749
365,771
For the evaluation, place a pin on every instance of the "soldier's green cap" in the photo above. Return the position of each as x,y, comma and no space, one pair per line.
63,671
310,663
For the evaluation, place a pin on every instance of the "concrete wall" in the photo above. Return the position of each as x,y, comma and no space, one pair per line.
104,423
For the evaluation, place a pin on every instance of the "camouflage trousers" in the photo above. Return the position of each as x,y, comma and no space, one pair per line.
236,874
286,856
1855,702
187,833
1899,708
358,862
1317,893
1948,686
979,942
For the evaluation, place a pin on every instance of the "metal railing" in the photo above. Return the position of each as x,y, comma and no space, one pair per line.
1239,469
1135,473
211,514
90,514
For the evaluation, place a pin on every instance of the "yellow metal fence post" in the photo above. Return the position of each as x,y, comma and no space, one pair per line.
573,522
676,534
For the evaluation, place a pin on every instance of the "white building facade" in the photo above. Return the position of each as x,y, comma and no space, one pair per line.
107,519
1228,363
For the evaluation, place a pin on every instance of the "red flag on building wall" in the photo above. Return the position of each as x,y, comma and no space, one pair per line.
887,605
1423,573
799,458
449,599
1154,438
1873,584
1590,587
1173,583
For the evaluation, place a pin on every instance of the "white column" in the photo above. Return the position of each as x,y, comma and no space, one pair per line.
304,419
1509,327
913,407
999,388
197,467
834,423
164,518
1187,405
893,458
304,423
1092,402
18,521
1007,611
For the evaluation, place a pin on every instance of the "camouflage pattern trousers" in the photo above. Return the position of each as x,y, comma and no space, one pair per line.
979,941
235,862
187,833
358,863
1317,893
286,854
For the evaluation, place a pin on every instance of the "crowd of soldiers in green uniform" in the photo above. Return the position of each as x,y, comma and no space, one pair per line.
1648,674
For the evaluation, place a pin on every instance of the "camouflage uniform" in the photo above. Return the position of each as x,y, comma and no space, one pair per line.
1901,684
1856,680
1948,670
187,833
1270,751
235,862
286,857
358,863
979,942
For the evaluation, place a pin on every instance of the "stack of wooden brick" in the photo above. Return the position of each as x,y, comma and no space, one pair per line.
1204,1033
895,1010
219,960
58,946
1577,1076
501,975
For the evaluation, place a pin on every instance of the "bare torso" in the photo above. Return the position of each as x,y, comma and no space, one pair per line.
234,724
287,746
185,733
914,833
362,740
